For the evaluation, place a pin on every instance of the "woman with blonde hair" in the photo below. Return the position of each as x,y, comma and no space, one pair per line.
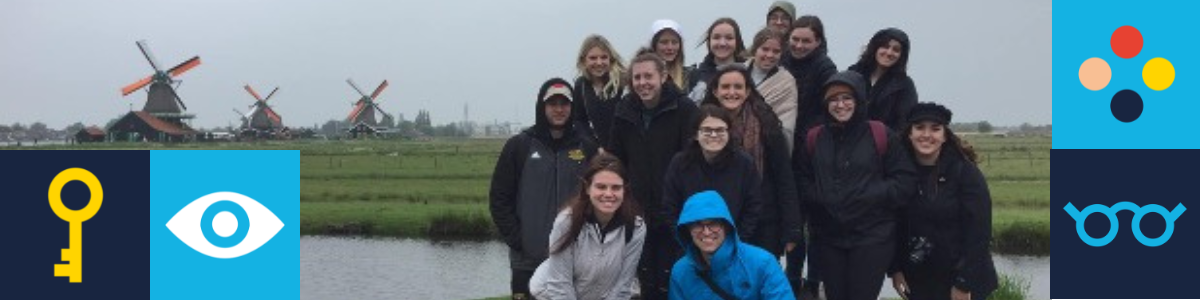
666,40
598,88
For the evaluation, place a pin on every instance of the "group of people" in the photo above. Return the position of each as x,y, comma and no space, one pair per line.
674,182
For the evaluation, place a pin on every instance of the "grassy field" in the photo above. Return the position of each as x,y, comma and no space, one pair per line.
438,188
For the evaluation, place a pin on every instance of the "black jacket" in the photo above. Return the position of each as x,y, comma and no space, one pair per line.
953,211
646,139
592,114
780,201
850,193
732,174
811,72
891,97
533,178
700,74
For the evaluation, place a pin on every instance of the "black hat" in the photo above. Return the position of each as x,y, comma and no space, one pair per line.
929,111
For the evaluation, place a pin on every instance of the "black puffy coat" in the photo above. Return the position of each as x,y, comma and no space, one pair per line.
952,210
850,192
810,72
592,113
646,139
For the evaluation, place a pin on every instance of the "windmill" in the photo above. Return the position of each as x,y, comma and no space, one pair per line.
162,118
366,106
262,117
162,100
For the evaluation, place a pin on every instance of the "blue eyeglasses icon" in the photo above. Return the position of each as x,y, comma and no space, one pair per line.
1111,213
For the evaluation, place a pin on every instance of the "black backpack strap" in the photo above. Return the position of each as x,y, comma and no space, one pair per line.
704,275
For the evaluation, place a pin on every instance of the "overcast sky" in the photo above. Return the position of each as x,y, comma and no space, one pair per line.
65,61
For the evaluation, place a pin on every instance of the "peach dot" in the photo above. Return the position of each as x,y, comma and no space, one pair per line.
1095,74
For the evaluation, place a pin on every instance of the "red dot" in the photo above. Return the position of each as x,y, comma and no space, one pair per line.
1126,41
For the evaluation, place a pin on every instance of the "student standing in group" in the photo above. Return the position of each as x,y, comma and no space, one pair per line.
666,40
854,174
946,229
775,84
651,124
808,62
596,241
891,93
780,16
725,46
537,171
598,88
713,162
759,133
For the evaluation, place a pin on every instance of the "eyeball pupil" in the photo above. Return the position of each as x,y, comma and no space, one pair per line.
225,224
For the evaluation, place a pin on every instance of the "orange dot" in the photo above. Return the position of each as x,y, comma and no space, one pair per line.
1095,74
1126,42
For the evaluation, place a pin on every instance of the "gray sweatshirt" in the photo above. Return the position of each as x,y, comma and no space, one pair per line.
590,268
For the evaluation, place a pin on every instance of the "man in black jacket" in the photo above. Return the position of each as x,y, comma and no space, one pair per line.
851,187
537,172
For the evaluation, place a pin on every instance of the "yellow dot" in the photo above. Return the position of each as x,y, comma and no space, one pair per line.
1095,74
1158,74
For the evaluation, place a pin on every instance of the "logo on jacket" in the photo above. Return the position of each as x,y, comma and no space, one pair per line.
535,155
1111,213
576,155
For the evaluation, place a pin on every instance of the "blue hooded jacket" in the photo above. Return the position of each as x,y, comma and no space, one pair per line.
742,270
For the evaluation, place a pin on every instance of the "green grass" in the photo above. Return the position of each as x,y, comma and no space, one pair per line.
439,188
1011,288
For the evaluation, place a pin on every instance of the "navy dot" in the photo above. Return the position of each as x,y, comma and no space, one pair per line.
1126,106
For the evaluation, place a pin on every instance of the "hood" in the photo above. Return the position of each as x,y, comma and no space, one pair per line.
663,24
704,206
901,64
541,126
787,7
856,83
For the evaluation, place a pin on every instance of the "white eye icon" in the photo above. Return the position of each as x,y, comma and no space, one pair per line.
186,225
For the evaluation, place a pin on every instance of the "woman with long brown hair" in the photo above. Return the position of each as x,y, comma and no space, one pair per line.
946,229
596,240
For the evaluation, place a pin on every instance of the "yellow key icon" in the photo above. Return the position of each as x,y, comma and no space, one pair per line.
73,255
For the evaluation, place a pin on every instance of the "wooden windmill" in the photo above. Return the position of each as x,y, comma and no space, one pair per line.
367,106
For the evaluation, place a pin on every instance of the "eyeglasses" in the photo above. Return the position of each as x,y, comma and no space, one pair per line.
710,226
840,97
714,132
1111,213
